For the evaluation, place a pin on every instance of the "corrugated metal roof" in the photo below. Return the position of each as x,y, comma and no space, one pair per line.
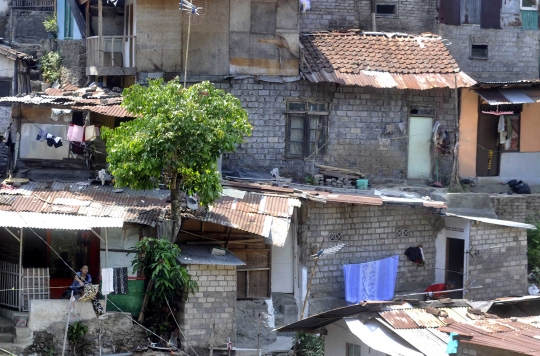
424,319
500,96
399,319
56,221
255,212
320,320
202,255
96,201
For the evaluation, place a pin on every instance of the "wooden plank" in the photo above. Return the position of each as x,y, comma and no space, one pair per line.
258,284
241,284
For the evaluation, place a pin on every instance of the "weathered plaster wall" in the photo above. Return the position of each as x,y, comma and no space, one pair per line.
504,47
371,234
28,26
413,16
358,117
73,69
468,133
530,128
212,307
159,43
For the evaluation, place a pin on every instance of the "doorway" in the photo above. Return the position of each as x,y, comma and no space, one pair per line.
129,32
487,156
419,155
455,265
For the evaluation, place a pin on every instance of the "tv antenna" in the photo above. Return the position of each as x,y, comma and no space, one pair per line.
194,12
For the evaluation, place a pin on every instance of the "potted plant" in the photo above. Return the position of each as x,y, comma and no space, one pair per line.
49,65
51,26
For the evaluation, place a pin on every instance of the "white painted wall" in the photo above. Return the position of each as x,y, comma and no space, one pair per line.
283,265
456,228
7,66
339,335
61,19
4,5
119,239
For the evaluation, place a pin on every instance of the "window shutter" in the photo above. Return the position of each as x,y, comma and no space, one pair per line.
490,14
449,12
470,11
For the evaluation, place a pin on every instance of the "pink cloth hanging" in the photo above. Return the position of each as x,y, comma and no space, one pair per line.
75,133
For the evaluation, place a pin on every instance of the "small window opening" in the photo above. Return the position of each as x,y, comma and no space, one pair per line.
385,9
529,4
479,51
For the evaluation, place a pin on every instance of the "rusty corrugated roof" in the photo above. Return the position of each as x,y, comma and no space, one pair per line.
142,207
380,60
254,212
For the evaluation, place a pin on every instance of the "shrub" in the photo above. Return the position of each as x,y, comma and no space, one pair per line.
50,66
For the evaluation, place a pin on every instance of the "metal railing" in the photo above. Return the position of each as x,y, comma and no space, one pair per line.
110,51
9,284
42,5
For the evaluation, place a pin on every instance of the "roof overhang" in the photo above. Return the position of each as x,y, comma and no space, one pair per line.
56,221
421,81
499,96
495,221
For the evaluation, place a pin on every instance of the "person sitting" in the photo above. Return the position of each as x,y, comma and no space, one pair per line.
81,278
434,290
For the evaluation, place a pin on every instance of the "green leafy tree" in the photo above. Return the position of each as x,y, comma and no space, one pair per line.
157,258
533,245
177,131
308,345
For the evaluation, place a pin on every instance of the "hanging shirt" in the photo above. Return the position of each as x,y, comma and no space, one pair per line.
42,135
439,287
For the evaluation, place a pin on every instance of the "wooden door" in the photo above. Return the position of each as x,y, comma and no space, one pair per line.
419,155
487,152
253,279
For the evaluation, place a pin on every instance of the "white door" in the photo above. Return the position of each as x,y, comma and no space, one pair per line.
283,266
129,32
419,157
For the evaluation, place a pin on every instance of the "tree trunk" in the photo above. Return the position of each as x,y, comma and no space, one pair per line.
145,300
175,207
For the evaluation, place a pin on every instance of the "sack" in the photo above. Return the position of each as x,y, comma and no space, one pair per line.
519,187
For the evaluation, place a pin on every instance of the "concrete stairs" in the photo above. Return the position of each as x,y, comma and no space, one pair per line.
13,339
285,311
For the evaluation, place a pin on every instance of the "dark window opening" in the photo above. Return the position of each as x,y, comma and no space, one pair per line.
479,51
307,128
422,110
382,9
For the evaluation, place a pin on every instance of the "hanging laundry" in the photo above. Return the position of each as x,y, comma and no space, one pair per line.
106,281
305,5
90,295
501,129
78,148
75,133
42,135
416,255
65,114
371,281
91,133
120,280
57,142
436,131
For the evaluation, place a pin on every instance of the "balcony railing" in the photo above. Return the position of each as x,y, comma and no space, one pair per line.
107,52
40,5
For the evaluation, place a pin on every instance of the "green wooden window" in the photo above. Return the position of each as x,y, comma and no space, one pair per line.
529,20
307,128
68,21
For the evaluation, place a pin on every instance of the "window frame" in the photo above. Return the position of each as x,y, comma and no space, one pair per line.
471,56
393,15
68,21
354,346
306,127
533,8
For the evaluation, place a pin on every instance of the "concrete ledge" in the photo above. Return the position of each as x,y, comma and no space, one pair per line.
45,312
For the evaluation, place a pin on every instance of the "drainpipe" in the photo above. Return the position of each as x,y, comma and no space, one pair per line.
373,20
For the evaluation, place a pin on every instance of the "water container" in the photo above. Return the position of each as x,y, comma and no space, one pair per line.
362,184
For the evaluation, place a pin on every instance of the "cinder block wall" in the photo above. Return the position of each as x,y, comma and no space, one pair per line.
357,120
73,70
501,263
212,307
371,234
413,16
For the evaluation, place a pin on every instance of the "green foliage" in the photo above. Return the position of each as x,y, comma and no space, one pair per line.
76,333
309,345
533,245
50,66
157,259
51,24
177,131
310,180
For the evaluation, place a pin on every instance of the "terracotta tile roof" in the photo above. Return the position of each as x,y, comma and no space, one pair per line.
13,54
78,199
380,60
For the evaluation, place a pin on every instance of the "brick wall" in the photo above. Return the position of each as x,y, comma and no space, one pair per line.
28,26
213,304
501,263
413,16
73,70
358,117
504,46
371,234
520,208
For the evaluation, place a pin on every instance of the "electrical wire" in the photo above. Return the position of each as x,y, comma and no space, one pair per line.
179,328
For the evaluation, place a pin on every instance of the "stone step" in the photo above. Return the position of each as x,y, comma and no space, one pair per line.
7,337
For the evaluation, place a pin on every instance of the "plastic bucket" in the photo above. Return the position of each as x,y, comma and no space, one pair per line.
362,184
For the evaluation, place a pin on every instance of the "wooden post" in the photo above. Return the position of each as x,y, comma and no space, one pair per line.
310,281
20,268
